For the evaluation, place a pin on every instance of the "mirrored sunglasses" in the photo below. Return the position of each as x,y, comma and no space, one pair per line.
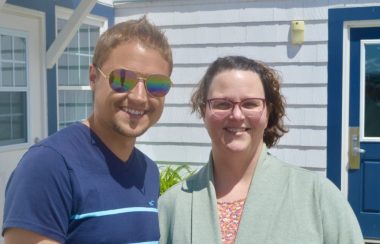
124,80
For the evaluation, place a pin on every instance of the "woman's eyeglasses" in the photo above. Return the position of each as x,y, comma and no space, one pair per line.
123,80
250,107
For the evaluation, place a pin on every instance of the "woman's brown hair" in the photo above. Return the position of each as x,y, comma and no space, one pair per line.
270,79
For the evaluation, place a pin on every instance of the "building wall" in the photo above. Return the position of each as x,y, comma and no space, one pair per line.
201,31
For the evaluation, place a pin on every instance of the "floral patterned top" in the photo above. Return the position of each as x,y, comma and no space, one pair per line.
229,219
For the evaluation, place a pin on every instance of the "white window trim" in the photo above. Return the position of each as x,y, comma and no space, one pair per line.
22,34
65,13
101,22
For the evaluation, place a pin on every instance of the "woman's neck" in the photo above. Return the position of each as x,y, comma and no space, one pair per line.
233,173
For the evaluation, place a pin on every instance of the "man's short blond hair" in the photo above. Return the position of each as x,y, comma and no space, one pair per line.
140,30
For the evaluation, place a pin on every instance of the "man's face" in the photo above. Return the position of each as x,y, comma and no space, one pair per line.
127,114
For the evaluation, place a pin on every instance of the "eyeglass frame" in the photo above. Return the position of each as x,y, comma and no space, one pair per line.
230,111
139,76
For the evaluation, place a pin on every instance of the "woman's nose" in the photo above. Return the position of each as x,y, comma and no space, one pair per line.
237,113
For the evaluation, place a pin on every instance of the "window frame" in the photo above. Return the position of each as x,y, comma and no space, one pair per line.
19,145
363,70
64,14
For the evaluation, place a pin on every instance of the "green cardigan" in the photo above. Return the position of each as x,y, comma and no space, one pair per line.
285,204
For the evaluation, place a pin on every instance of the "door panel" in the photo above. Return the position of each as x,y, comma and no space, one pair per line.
22,90
364,181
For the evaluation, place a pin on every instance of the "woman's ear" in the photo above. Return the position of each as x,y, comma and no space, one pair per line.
203,112
269,110
92,76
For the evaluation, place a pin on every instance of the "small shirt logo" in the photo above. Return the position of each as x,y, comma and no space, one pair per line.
151,203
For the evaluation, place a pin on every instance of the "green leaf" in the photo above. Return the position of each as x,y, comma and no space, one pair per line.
172,175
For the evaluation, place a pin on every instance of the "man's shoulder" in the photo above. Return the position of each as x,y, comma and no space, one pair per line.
56,148
64,135
69,140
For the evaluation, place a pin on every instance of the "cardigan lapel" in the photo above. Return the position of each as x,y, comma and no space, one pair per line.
261,204
205,220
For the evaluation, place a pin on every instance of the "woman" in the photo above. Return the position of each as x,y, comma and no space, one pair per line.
244,194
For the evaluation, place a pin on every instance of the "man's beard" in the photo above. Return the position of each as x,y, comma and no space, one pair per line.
121,131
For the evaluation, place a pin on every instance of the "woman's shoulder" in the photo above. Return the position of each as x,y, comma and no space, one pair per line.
289,167
172,192
304,184
184,189
298,176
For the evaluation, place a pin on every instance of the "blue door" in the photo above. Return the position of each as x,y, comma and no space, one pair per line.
364,122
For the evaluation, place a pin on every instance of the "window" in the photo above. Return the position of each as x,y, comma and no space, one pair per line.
74,93
13,89
372,91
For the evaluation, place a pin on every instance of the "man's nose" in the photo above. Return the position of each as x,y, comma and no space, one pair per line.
139,92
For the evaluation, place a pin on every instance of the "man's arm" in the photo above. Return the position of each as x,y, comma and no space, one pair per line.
38,196
16,235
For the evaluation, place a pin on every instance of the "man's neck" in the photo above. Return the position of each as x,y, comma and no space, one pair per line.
120,145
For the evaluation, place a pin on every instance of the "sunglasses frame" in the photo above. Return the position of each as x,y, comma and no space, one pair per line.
139,77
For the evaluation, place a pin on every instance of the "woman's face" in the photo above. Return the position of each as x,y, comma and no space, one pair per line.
235,132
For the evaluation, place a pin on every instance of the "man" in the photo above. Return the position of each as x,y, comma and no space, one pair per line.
88,183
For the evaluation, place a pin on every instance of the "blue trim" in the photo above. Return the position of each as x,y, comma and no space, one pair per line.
148,242
51,79
33,4
113,211
106,12
99,9
336,19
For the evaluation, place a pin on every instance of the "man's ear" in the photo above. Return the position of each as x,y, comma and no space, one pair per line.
92,76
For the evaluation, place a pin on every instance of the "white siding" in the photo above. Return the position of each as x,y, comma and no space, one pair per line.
201,31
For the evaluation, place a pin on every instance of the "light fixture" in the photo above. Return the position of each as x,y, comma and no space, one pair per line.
297,32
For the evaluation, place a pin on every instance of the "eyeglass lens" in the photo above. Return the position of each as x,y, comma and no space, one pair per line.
123,80
250,107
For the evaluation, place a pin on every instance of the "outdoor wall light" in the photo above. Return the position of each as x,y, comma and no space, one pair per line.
297,32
